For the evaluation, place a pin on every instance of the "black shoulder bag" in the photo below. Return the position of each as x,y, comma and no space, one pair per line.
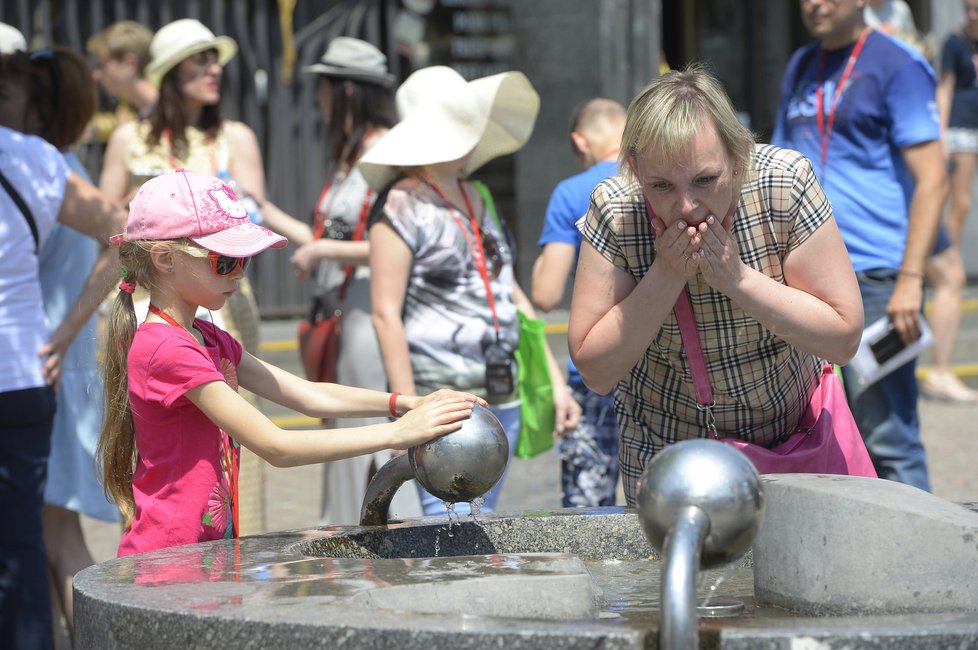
26,211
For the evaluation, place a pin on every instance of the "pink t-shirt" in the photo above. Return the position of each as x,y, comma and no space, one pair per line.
186,477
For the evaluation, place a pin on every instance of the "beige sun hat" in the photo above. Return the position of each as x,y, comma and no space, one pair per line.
180,39
444,117
351,58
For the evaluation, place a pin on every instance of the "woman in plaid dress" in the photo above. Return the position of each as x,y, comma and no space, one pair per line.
747,230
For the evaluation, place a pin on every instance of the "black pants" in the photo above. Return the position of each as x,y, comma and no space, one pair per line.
26,418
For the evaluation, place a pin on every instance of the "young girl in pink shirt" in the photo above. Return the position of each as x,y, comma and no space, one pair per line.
174,421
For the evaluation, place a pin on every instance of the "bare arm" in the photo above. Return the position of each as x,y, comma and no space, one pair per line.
390,267
926,164
309,255
613,319
296,231
945,93
550,273
818,310
245,165
284,448
90,212
115,180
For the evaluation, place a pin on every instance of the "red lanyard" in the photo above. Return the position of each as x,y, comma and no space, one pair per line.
165,316
478,253
825,131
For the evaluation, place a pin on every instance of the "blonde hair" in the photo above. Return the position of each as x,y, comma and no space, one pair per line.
667,113
116,452
121,38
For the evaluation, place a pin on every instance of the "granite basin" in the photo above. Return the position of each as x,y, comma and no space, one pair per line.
574,578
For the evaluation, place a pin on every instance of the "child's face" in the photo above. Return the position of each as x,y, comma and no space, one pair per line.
197,282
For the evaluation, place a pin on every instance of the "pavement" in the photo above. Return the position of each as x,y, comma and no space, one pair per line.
949,432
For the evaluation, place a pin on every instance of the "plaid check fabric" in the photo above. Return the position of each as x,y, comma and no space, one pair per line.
761,384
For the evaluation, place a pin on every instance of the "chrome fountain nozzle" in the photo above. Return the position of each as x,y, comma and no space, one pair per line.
457,467
700,503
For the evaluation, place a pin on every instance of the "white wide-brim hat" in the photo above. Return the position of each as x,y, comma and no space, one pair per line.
351,58
180,39
444,117
11,40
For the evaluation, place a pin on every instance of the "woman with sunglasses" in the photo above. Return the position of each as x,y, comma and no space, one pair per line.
444,292
170,446
186,130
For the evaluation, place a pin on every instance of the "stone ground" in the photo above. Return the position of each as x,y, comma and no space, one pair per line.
950,434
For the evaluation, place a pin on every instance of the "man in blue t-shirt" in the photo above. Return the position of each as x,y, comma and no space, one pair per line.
876,149
589,453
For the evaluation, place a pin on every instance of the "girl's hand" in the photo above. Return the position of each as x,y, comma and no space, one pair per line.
445,394
676,246
433,418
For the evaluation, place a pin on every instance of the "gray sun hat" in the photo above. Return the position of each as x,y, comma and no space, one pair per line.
351,58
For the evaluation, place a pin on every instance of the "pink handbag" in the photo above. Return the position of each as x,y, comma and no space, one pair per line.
827,440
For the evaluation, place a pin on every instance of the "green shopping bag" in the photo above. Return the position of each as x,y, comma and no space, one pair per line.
535,389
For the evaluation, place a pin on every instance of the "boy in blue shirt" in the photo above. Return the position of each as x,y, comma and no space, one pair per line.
589,453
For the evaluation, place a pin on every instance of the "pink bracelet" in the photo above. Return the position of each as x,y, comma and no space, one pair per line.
393,404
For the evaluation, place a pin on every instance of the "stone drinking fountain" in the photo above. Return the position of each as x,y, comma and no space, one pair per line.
837,562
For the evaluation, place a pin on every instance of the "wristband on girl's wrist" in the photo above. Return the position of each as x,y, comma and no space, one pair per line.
392,405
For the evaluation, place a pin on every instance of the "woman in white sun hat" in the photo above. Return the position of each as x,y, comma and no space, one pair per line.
443,289
186,130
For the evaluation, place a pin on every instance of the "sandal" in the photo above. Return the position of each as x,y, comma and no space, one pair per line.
946,387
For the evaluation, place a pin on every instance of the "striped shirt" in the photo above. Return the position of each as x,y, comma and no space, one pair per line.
761,384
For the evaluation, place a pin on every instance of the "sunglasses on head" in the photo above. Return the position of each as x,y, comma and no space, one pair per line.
225,264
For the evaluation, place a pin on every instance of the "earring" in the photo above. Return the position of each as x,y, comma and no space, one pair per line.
169,269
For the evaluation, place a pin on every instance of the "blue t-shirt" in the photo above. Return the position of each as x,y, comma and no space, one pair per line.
568,203
887,105
960,56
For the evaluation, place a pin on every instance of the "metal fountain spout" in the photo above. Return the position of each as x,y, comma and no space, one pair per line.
700,503
460,466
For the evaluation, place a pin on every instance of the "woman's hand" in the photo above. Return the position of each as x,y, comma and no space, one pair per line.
676,246
431,419
718,257
308,256
567,412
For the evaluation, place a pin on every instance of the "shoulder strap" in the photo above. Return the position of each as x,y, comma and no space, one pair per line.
491,207
489,203
26,211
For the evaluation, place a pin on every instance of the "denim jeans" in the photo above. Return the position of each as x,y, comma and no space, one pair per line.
589,453
509,418
886,411
26,418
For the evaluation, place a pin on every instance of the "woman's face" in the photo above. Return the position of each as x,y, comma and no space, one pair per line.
699,182
324,97
199,78
971,14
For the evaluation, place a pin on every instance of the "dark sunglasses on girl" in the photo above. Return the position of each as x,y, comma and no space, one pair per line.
225,264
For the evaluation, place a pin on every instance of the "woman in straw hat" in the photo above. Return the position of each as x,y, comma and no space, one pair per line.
185,130
444,293
357,106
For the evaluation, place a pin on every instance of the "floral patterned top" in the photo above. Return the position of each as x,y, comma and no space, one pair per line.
185,484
